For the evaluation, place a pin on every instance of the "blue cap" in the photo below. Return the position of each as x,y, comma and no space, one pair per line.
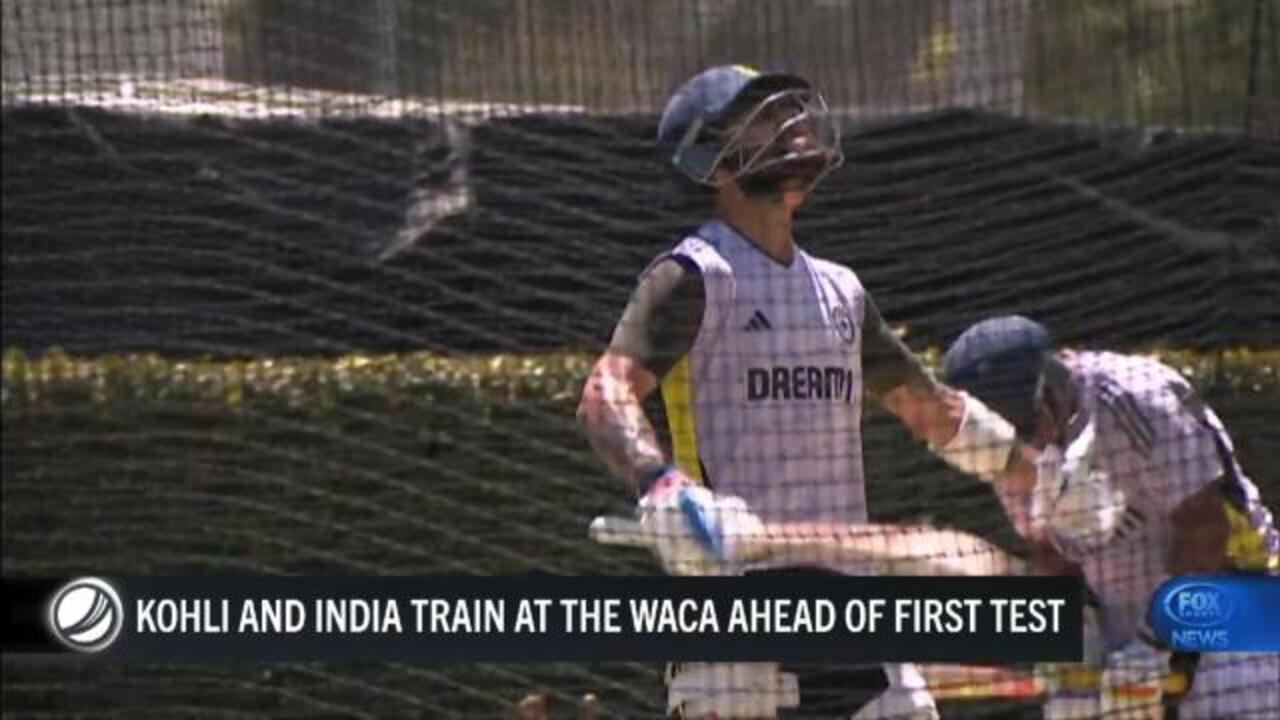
703,100
1000,361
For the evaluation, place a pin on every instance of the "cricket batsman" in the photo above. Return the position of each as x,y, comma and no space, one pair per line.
1135,480
763,356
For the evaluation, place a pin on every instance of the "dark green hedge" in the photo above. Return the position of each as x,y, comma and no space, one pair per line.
318,383
405,463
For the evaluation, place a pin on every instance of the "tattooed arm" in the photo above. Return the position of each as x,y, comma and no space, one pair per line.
894,375
937,414
614,420
657,328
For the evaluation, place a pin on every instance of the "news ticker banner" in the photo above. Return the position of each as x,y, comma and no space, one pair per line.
546,618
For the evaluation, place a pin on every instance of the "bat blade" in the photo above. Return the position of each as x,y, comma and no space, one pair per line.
611,530
930,551
892,549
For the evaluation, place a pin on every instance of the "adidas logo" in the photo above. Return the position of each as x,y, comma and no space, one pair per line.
757,322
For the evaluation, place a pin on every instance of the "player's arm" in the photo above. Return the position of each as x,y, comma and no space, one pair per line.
956,426
657,328
1216,524
895,376
1016,487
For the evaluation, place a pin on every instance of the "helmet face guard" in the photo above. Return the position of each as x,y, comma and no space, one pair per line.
757,146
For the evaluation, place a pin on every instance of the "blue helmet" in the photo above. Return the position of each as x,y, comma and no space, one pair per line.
693,130
1001,361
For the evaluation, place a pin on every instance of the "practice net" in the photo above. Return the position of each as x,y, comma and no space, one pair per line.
310,287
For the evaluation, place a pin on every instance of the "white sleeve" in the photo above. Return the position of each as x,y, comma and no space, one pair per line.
982,444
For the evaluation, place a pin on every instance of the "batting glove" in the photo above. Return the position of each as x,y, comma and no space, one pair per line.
661,520
1075,503
723,525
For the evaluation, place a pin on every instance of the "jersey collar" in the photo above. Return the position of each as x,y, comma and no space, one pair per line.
718,232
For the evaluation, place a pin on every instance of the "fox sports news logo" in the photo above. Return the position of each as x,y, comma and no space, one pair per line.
86,614
1198,612
1199,605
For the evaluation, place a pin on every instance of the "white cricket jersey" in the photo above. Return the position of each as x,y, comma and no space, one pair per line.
767,405
1158,447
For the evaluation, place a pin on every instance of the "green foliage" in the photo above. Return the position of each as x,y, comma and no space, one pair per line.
1182,63
301,383
406,463
1178,63
314,383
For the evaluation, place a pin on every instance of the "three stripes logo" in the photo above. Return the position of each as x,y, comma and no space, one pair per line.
757,323
86,614
1129,414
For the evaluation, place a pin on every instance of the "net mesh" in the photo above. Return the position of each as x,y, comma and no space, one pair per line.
308,287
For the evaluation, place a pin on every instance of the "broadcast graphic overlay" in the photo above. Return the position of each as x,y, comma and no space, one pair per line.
461,302
547,619
1218,614
86,615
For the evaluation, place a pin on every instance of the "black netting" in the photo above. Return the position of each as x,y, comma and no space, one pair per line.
312,287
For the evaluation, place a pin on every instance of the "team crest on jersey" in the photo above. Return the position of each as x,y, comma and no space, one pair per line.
844,324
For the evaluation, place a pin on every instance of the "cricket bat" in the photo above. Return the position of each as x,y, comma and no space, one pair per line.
889,549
